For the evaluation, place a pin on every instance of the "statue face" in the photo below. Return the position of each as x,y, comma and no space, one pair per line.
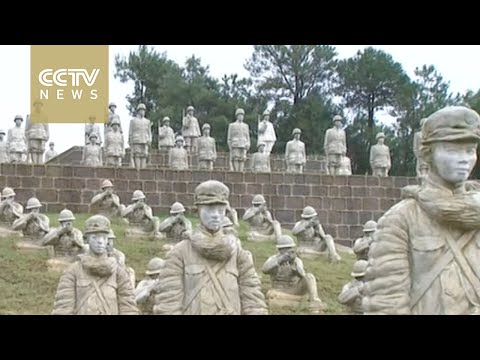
211,216
297,136
67,224
240,117
115,127
206,132
381,141
261,149
454,161
35,210
112,108
93,140
179,143
338,124
9,199
98,243
141,113
266,118
108,190
18,122
166,123
51,146
190,112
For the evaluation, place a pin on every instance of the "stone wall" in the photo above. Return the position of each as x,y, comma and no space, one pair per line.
344,204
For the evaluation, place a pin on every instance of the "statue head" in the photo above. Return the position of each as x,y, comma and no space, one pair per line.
449,143
258,201
369,228
286,244
51,145
309,213
141,110
206,129
93,138
266,115
261,147
66,218
179,142
190,110
240,115
211,199
8,194
138,196
154,267
18,120
166,121
110,241
337,121
359,269
107,186
96,231
380,138
297,133
33,205
112,107
177,209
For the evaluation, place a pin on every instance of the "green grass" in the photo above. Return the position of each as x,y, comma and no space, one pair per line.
27,287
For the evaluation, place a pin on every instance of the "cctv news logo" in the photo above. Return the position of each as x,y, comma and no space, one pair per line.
71,78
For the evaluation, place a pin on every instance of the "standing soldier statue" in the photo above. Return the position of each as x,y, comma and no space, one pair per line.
114,144
92,128
295,153
37,132
380,160
139,138
166,136
17,142
238,139
266,133
190,130
335,145
207,149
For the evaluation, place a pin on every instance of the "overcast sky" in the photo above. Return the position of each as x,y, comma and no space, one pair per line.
457,63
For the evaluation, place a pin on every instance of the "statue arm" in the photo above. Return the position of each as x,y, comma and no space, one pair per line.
21,222
372,155
299,269
388,286
251,297
229,137
326,141
360,245
249,214
17,210
125,294
128,210
116,201
78,238
188,225
170,157
166,224
299,227
268,164
130,133
43,222
320,232
51,237
287,150
148,212
304,154
169,300
270,265
248,138
84,154
65,298
97,198
214,150
349,294
143,291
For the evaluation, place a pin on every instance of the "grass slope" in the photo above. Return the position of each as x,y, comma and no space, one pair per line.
28,288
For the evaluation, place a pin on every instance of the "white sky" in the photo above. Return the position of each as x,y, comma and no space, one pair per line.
457,63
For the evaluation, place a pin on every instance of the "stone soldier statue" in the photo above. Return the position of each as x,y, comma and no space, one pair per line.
176,227
207,149
50,153
140,217
425,257
232,214
210,273
144,295
114,144
190,130
10,210
295,154
352,293
422,166
37,132
17,143
266,133
380,160
111,115
228,227
261,160
140,138
107,203
66,240
4,158
166,136
262,225
289,277
335,145
312,238
33,224
178,156
92,128
92,152
95,284
238,139
361,247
